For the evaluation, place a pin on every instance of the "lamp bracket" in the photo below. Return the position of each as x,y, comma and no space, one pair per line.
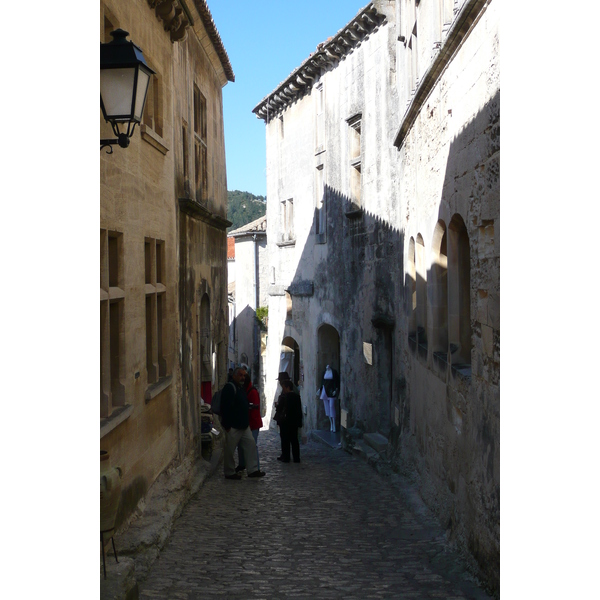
122,140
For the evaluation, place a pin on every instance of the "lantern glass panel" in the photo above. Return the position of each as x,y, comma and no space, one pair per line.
116,89
140,97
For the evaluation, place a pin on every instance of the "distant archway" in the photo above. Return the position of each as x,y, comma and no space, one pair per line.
289,360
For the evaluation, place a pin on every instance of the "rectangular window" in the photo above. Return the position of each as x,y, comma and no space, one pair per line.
154,252
151,347
447,16
152,117
355,125
414,62
321,205
112,298
287,220
320,125
200,146
185,153
160,259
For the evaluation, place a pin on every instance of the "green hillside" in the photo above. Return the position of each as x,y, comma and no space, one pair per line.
244,207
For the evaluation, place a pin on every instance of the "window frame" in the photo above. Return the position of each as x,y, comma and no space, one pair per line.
200,135
112,334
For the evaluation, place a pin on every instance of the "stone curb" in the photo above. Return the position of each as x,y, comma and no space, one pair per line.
139,545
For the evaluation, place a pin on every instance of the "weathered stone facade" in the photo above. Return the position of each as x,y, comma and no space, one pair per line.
163,296
383,237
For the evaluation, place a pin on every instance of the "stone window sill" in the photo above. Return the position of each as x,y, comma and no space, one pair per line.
287,244
154,389
119,415
462,371
150,136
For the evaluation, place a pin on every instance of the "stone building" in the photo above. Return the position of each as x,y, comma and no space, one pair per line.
383,205
163,284
251,293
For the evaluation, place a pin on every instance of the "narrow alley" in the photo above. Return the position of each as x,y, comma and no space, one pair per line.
326,528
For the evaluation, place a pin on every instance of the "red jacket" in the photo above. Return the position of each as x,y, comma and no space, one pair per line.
254,413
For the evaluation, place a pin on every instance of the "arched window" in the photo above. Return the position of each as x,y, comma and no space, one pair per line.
421,296
459,295
439,292
288,306
410,287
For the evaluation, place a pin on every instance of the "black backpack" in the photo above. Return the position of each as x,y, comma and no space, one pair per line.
215,404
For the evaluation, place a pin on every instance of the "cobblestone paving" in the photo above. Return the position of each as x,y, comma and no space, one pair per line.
330,527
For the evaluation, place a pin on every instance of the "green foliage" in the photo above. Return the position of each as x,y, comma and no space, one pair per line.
262,316
244,207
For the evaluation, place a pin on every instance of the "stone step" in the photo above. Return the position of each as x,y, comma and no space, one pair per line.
378,442
362,450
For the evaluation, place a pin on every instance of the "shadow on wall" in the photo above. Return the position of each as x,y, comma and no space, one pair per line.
388,322
357,280
451,315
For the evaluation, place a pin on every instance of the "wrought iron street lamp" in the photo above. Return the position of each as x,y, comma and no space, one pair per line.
124,79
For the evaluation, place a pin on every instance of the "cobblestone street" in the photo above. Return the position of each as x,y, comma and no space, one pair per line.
330,527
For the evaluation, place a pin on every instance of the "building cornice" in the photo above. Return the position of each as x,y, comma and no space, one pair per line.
250,234
327,55
256,227
459,30
198,211
178,18
215,39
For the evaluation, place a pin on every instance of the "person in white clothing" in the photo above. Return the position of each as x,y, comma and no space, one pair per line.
329,392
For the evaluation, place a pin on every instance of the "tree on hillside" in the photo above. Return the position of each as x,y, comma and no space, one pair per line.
244,207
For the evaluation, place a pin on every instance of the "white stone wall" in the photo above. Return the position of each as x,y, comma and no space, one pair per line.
362,82
245,296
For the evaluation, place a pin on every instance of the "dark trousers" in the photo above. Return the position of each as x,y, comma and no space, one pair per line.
289,437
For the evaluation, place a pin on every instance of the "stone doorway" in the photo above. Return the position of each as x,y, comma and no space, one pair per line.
328,353
289,360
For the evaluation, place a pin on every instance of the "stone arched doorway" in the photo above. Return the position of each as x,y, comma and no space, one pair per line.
328,353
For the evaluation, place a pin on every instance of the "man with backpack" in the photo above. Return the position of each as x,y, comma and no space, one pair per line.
234,411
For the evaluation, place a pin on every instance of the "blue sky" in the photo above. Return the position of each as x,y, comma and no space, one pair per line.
266,40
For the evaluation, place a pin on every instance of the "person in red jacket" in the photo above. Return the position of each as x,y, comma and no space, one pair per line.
255,421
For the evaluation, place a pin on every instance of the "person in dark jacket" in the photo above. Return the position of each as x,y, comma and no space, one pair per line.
290,421
235,421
